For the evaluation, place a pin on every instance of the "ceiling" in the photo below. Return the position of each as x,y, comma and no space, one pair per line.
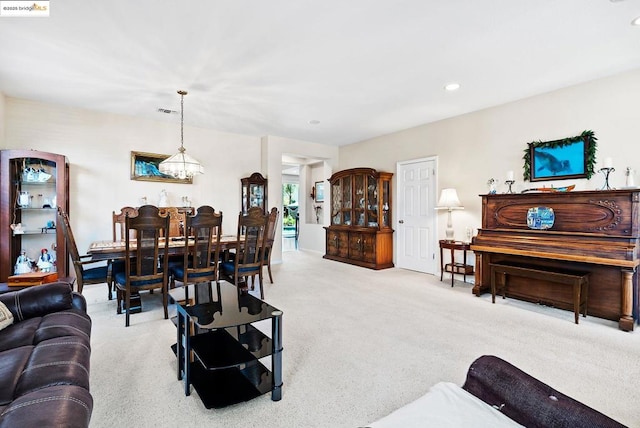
360,68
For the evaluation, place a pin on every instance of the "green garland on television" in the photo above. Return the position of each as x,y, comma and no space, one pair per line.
587,136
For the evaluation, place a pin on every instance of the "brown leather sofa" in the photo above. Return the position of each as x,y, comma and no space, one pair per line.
498,394
527,400
44,355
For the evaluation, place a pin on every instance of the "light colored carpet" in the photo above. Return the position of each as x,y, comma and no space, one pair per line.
357,345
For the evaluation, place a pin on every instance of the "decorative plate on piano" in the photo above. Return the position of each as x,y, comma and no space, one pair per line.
540,218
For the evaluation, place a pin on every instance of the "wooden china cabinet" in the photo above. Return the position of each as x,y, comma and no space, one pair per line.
254,192
33,184
360,232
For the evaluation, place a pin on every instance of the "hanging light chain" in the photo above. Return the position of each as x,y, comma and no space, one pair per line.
182,94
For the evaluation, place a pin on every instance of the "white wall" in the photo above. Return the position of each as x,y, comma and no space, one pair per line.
311,234
471,149
2,119
315,173
98,147
477,146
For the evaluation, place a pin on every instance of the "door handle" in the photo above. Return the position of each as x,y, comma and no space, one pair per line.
401,221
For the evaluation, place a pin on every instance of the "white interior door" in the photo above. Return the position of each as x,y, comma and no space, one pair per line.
416,224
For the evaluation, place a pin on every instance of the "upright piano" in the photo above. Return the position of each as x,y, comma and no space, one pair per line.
593,231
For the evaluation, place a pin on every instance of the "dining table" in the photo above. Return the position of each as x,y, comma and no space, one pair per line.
114,250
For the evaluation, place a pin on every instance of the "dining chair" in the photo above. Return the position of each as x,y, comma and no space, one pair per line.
201,237
271,236
118,222
249,259
146,258
82,264
177,218
118,226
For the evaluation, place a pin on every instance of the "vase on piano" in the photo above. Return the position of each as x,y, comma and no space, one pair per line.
492,186
629,182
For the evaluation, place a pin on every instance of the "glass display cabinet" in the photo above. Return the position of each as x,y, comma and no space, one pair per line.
254,192
33,185
360,232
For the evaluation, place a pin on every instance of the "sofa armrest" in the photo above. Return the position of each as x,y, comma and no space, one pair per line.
78,301
40,300
527,400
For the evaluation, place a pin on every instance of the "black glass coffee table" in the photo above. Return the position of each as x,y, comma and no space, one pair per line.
221,352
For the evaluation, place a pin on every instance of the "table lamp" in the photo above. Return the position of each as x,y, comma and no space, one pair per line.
449,201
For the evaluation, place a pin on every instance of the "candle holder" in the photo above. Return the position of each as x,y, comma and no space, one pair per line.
509,183
606,172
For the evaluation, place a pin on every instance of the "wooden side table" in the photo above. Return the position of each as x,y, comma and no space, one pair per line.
455,268
5,288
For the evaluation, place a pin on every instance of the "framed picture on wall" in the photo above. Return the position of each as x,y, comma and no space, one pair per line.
319,186
570,158
145,167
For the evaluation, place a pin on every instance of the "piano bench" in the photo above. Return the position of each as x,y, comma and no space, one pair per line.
579,281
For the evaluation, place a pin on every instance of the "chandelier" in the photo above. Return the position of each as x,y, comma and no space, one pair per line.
181,165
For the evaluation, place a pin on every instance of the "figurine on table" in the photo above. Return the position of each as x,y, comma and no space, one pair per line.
23,264
45,261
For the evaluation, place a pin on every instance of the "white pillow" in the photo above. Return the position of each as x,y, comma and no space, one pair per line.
446,405
6,317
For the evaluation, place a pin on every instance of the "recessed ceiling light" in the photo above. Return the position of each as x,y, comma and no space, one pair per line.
636,21
314,122
452,86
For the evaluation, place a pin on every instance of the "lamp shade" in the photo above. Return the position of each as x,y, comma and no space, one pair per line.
449,199
181,165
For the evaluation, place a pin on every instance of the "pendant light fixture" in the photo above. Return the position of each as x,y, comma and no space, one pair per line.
181,165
